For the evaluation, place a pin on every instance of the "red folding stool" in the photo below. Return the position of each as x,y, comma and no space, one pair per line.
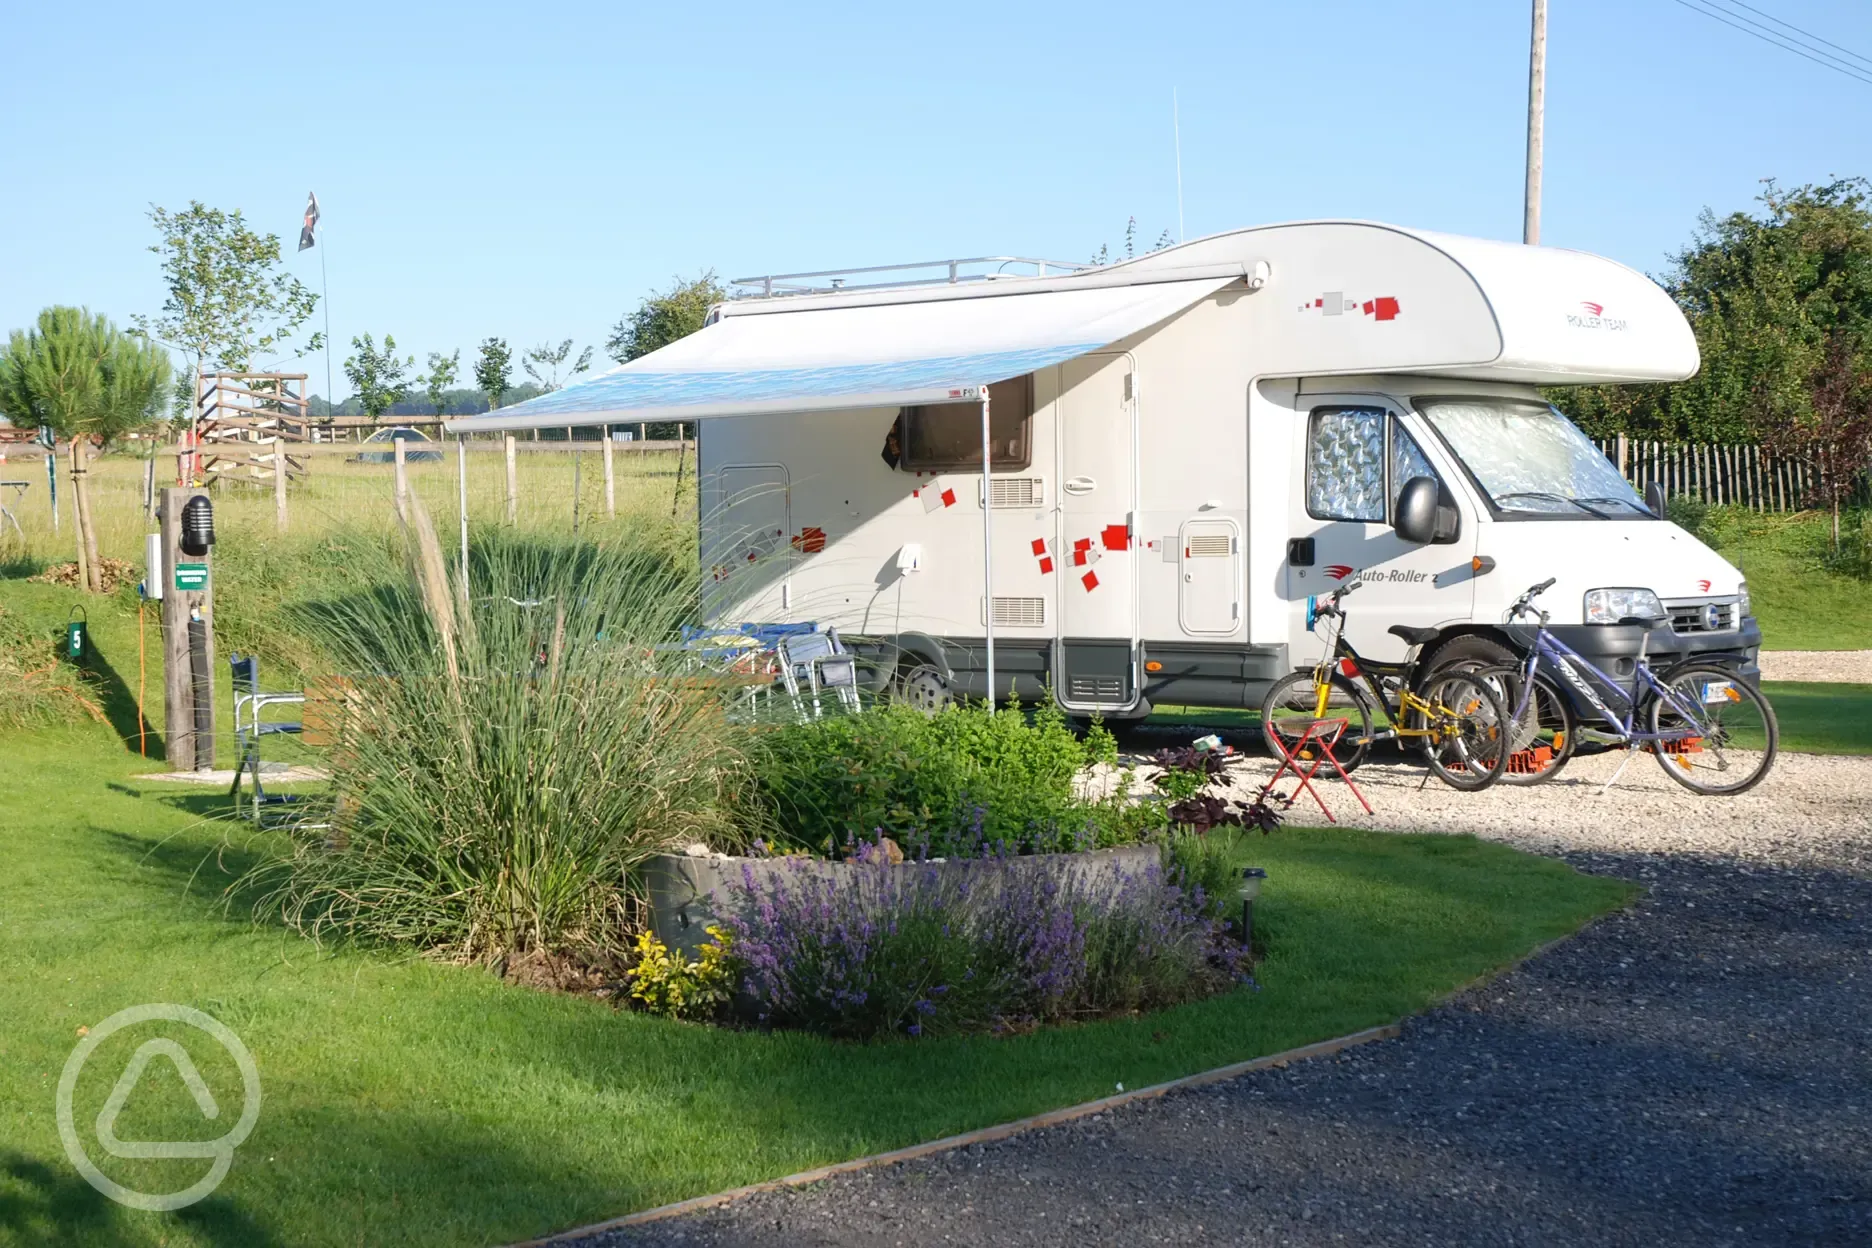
1321,735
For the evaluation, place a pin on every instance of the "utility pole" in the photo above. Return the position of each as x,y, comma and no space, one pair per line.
1536,117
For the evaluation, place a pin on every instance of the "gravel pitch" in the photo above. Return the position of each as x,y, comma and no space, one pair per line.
1853,666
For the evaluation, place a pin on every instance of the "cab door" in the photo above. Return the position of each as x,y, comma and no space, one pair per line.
1357,451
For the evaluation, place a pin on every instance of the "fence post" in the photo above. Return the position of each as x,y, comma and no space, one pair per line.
279,480
1624,451
513,484
402,479
610,479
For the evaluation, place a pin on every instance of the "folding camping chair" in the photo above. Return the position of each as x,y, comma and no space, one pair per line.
818,662
249,704
1315,747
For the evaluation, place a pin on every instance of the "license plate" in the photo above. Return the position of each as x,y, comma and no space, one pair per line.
1716,692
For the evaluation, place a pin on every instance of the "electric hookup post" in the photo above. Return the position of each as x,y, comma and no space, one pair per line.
187,518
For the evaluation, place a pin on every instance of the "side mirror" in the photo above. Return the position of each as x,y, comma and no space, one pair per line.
1654,499
1416,516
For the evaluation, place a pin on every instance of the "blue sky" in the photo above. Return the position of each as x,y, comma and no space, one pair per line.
490,169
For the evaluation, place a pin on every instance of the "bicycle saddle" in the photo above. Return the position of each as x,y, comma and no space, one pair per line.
1415,636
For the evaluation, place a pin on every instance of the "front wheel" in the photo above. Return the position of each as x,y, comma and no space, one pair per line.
1294,702
1466,734
1717,734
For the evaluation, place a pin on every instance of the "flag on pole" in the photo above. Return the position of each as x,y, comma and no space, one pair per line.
308,231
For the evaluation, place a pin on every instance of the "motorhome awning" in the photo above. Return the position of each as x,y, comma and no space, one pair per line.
780,359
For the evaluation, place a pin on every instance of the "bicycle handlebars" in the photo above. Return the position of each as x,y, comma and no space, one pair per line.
1330,604
1524,605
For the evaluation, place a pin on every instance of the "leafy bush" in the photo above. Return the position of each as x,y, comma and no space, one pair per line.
1687,512
982,945
667,984
1185,776
509,751
1204,867
964,781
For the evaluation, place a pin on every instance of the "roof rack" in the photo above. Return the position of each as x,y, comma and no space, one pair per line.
955,272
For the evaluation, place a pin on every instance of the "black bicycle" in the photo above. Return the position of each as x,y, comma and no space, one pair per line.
1711,731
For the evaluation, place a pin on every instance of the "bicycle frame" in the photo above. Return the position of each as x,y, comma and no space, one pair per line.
1562,658
1339,649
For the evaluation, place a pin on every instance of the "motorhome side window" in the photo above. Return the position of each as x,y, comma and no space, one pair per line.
1358,458
941,436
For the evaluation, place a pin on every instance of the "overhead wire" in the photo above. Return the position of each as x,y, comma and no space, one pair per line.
1758,31
1805,34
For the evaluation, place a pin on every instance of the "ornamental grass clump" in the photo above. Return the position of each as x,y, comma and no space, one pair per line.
994,944
508,751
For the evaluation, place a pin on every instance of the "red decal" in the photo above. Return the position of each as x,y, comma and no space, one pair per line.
1079,558
1046,565
1090,580
1383,308
1039,545
1319,303
1084,543
948,497
1598,309
1704,586
1116,537
810,541
1338,571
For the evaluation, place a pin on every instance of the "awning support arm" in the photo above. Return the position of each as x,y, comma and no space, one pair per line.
987,495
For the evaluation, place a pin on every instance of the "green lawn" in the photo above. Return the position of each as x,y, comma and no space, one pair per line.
1820,718
410,1103
1801,601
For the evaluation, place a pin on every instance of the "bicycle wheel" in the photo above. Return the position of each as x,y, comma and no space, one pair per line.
1543,728
1294,700
1466,738
1723,734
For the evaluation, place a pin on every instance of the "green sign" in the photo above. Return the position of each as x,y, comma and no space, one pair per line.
191,576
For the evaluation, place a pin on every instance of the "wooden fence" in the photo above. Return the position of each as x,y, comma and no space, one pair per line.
1743,474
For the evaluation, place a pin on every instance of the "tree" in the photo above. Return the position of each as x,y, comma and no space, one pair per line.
1833,435
440,377
79,376
228,301
377,375
494,370
544,361
1103,256
1769,297
663,318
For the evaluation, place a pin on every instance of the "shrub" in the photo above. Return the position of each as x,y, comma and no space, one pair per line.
666,984
1687,512
958,783
982,945
508,751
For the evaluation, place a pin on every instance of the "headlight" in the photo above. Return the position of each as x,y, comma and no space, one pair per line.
1609,606
1742,602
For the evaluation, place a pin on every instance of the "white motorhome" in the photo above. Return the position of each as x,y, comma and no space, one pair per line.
1183,451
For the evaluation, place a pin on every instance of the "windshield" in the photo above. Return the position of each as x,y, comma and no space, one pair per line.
1527,457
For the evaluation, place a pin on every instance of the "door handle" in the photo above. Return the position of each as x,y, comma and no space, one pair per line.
1080,485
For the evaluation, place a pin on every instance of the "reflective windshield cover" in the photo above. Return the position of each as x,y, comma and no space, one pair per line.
1529,458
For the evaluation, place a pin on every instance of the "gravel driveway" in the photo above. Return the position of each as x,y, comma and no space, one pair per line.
1693,1071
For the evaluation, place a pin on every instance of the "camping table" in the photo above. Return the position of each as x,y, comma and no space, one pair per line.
6,513
1321,735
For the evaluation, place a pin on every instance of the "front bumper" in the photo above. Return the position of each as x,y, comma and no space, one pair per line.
1613,648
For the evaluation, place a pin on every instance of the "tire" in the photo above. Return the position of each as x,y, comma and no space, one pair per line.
1721,758
921,686
1545,731
1469,741
1467,652
1294,697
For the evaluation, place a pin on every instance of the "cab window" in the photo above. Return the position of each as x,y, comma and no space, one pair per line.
1358,458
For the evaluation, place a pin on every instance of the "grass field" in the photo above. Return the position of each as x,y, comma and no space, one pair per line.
1802,603
412,1103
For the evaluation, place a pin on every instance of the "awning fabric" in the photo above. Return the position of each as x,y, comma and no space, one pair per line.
876,355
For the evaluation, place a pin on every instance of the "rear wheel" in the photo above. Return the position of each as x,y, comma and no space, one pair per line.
924,688
1293,702
1542,727
1466,733
1723,734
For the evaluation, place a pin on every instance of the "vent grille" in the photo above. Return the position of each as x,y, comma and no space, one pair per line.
1096,688
1210,546
1017,491
1019,612
1702,617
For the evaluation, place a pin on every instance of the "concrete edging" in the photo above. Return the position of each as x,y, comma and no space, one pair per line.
982,1135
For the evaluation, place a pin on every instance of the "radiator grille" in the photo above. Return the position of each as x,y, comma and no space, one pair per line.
1209,546
1700,616
1019,612
1096,688
1018,491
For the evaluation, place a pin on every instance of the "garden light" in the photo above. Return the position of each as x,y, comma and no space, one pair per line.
197,525
1248,891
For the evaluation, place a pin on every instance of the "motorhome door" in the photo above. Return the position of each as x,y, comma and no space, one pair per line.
746,516
1357,452
1095,660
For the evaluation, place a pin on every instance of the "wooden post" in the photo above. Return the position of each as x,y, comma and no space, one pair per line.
279,479
402,479
186,747
513,484
610,479
682,452
149,485
1624,454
